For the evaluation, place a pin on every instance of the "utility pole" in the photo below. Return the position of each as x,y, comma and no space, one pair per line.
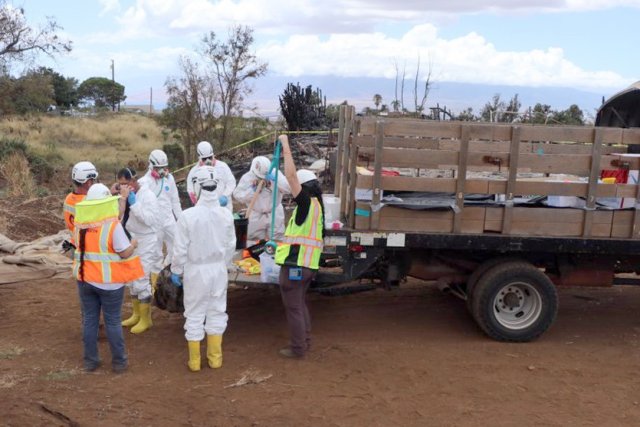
113,80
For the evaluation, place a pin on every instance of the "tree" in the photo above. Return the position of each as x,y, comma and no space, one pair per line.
467,115
65,88
491,109
101,91
303,108
571,116
191,106
540,113
377,100
19,41
32,92
233,67
512,111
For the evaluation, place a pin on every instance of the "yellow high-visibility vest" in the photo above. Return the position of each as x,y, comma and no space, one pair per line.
308,236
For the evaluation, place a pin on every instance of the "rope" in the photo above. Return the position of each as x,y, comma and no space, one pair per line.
258,138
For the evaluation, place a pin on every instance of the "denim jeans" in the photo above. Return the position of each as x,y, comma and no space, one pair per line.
93,300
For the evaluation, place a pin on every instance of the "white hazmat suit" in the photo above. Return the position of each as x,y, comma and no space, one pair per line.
204,245
226,181
143,225
260,215
169,208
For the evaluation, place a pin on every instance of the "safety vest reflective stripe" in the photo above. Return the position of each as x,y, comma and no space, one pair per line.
69,208
105,234
99,257
299,240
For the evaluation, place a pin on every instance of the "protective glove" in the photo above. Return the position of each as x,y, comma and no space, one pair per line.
223,200
176,280
271,176
131,198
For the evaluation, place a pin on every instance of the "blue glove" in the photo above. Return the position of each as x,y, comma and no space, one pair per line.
131,198
271,176
223,200
176,280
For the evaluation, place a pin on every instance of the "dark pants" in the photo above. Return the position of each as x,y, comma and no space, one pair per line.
93,300
294,294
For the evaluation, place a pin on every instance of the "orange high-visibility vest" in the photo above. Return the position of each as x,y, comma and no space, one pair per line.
102,264
69,209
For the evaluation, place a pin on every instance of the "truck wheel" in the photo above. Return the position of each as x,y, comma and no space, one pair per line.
479,271
514,301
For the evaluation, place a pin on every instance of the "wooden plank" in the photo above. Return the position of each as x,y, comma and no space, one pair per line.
576,164
377,176
339,152
622,224
594,175
493,132
635,229
549,222
511,180
527,186
461,179
346,154
352,184
486,146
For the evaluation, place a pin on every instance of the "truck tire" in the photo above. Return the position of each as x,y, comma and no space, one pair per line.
480,270
514,301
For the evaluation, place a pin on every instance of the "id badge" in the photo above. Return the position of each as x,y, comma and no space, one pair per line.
295,274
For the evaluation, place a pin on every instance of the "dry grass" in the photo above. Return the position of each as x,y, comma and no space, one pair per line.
15,170
9,353
109,141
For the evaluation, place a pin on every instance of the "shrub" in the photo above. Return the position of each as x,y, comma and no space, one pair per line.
175,154
15,169
41,168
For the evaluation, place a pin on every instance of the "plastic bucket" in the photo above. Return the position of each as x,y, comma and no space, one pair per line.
241,225
331,209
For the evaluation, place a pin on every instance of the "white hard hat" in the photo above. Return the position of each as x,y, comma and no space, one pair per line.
205,176
98,192
305,175
205,150
260,166
158,159
84,171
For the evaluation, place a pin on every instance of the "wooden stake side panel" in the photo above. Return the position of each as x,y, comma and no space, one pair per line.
574,164
487,186
553,222
421,147
565,147
497,132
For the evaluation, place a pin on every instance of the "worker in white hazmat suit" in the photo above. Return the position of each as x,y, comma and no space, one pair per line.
140,219
260,215
204,245
163,186
226,180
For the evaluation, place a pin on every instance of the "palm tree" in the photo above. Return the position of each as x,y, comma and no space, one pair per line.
377,100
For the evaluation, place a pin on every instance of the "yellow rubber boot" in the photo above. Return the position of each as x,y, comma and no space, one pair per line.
154,283
135,316
194,356
214,351
145,319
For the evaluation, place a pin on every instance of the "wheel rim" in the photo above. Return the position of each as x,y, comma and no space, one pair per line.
517,305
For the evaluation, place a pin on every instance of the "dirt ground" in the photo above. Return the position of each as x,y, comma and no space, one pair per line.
411,356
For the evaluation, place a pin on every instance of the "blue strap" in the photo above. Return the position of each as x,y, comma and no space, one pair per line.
275,168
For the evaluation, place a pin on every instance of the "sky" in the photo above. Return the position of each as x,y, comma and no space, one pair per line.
354,46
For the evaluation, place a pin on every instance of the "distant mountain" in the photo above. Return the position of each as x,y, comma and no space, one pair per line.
454,96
